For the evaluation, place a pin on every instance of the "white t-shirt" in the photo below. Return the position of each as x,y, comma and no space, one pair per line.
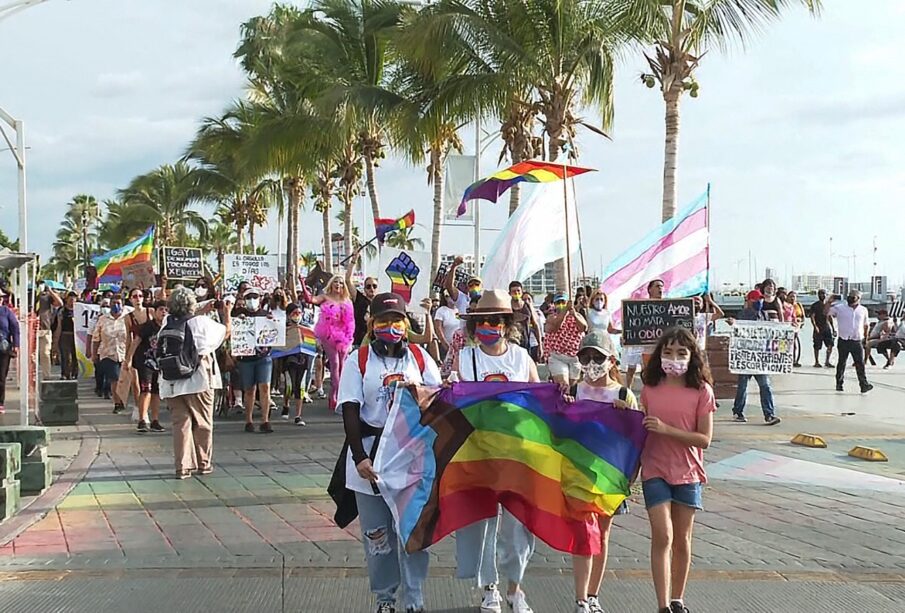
599,320
208,335
849,322
449,320
462,302
514,365
374,394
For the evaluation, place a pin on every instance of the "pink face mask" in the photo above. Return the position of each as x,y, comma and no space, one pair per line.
676,368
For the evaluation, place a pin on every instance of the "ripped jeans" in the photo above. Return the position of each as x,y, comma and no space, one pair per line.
388,564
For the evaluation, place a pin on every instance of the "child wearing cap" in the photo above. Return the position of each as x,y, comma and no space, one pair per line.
600,381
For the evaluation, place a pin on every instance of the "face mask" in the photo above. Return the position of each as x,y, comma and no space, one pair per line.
296,319
852,300
488,334
598,305
674,367
253,304
516,296
390,333
200,292
474,292
594,371
116,309
105,310
561,307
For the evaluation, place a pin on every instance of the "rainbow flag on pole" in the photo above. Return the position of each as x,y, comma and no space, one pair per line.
110,265
448,457
678,252
493,186
385,226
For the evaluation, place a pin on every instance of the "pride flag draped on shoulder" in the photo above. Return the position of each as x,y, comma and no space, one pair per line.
110,265
678,252
447,458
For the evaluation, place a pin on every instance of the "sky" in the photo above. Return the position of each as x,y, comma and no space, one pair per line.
799,133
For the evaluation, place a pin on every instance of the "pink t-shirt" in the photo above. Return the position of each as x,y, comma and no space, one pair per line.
680,407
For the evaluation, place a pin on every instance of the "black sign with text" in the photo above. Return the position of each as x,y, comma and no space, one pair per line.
183,263
645,321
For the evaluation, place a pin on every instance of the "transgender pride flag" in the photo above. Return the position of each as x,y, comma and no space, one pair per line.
678,252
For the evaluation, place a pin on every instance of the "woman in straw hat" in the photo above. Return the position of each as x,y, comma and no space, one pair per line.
495,356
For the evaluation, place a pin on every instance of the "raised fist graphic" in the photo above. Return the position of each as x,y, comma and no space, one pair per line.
403,273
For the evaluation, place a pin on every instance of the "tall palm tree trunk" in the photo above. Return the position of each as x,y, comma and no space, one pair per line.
251,236
292,226
372,185
221,263
437,171
328,251
671,153
347,219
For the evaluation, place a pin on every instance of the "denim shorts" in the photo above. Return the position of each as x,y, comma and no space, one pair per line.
657,491
255,372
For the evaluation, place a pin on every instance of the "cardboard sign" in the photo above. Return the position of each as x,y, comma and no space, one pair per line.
186,264
260,271
242,339
139,275
761,348
85,317
406,273
645,321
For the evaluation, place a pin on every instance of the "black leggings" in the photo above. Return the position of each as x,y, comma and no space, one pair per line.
4,372
296,372
69,365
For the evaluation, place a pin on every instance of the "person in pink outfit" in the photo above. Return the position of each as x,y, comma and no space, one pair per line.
335,328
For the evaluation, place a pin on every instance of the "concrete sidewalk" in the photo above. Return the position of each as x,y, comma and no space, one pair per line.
785,528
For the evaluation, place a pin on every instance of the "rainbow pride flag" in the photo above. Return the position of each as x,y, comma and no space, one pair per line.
385,226
493,186
298,340
110,265
448,457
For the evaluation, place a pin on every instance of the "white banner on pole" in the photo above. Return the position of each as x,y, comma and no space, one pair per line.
460,173
85,316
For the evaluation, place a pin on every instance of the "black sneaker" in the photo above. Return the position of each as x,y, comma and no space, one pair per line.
385,607
249,427
118,408
156,427
677,607
839,388
142,426
829,365
867,388
818,365
266,427
772,420
414,610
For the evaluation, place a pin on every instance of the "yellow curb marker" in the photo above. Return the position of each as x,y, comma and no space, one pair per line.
809,440
868,453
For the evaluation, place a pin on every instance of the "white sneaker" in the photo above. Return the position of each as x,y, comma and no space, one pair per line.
594,605
492,602
518,603
321,394
581,607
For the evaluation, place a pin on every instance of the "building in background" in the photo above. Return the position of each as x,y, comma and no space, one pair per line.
542,282
772,273
467,266
811,282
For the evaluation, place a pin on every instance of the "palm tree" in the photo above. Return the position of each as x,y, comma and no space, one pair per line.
369,250
221,239
164,197
403,239
684,30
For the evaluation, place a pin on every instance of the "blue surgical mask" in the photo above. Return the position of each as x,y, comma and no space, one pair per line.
116,309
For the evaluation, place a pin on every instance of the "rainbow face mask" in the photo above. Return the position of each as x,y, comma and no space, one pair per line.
488,334
390,332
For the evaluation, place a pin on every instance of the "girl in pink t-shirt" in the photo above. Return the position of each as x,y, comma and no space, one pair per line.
678,400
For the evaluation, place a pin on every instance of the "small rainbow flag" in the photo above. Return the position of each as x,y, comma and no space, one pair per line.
298,340
530,172
448,457
110,265
385,226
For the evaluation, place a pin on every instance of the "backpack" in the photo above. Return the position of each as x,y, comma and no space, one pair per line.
177,356
364,350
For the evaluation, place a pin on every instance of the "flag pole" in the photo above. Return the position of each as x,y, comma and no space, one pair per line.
565,202
584,274
708,237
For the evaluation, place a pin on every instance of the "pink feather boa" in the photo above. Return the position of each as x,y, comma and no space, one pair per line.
336,324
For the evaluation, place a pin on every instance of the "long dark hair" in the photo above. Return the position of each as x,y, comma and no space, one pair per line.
698,371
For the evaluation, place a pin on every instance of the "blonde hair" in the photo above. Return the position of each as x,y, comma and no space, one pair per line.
343,294
600,292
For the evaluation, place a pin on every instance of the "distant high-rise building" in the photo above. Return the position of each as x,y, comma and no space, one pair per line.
772,273
811,282
467,265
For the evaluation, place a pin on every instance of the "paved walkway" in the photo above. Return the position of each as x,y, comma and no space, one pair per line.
786,528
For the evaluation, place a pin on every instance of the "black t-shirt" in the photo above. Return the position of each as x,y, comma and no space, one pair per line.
816,311
360,306
145,355
67,320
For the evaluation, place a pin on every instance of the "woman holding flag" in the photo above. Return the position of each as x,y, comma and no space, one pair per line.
495,356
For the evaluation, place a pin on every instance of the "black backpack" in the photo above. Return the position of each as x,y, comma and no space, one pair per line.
177,356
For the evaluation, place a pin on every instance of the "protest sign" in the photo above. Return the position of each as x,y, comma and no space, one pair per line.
85,316
140,275
260,271
242,339
186,264
270,331
645,321
406,273
761,348
317,279
440,278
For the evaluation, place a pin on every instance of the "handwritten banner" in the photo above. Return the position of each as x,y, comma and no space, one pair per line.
761,348
260,271
242,339
183,263
645,321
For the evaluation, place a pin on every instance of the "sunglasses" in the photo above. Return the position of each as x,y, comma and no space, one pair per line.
370,286
586,358
493,320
